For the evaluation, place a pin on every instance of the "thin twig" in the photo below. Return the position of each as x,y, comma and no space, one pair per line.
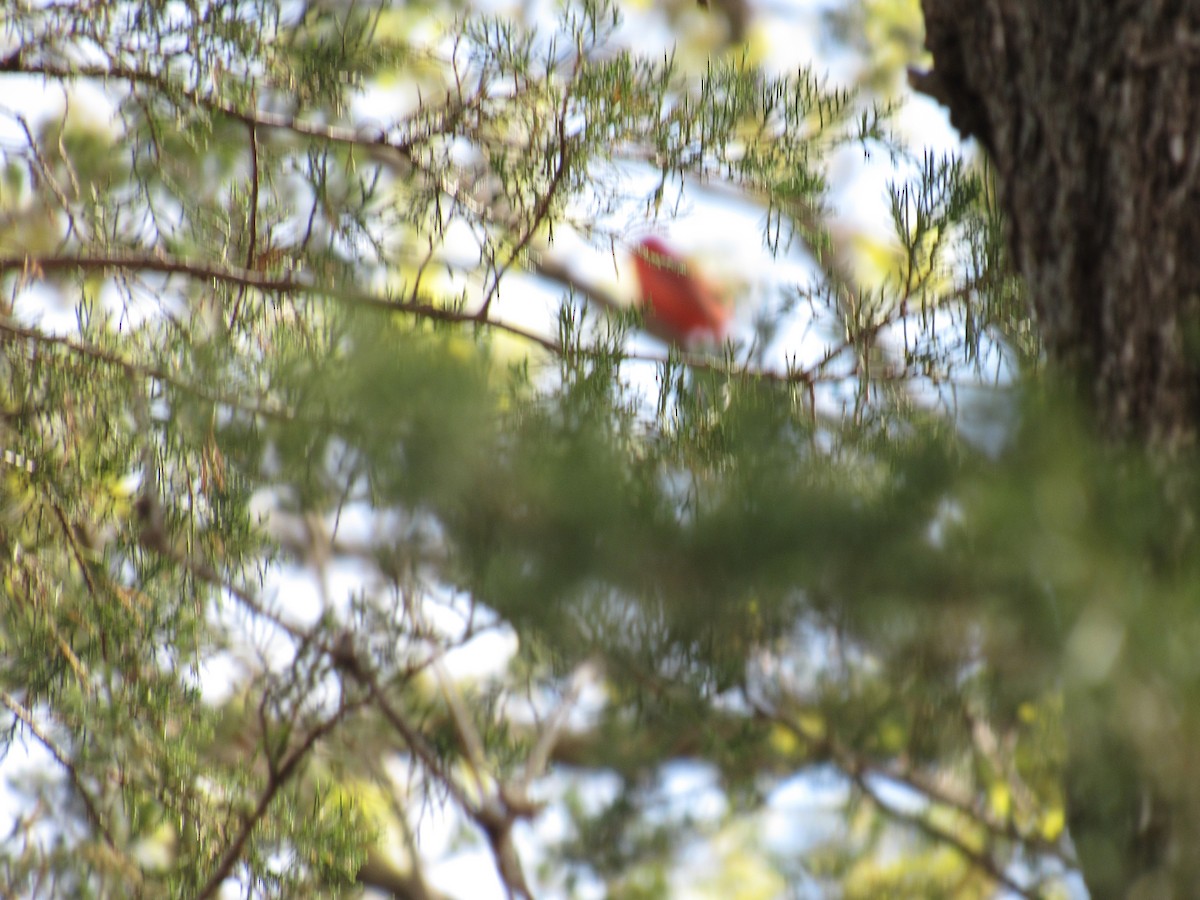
140,370
275,782
859,769
979,859
252,236
89,803
32,267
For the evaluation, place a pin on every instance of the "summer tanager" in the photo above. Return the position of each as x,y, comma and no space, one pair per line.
679,306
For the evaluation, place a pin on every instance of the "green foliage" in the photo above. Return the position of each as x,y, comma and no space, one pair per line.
890,35
281,366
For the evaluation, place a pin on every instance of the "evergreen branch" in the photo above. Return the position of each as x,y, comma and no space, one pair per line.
33,267
419,128
940,795
985,744
977,858
142,370
495,819
859,769
33,572
252,229
277,778
70,537
46,174
257,119
541,211
494,816
89,803
153,538
552,731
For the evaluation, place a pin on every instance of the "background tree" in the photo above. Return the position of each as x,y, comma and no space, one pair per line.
283,451
1085,114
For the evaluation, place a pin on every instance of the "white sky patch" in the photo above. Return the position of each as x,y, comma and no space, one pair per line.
806,809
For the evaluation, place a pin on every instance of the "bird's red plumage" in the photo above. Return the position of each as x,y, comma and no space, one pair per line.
679,305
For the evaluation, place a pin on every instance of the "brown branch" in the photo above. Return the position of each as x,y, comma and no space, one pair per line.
552,730
256,119
920,783
36,267
979,859
252,236
858,769
89,803
153,539
31,267
91,351
448,116
69,536
48,176
542,209
276,780
495,816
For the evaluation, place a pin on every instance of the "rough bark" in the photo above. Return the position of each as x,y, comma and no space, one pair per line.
1090,112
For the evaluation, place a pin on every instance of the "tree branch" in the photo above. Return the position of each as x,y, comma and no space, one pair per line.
89,803
277,778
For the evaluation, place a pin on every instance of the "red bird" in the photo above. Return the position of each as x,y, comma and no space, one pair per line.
680,307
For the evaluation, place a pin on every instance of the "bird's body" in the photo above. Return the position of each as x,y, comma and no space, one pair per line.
679,306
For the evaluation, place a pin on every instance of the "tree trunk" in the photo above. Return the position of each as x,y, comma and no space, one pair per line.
1090,113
